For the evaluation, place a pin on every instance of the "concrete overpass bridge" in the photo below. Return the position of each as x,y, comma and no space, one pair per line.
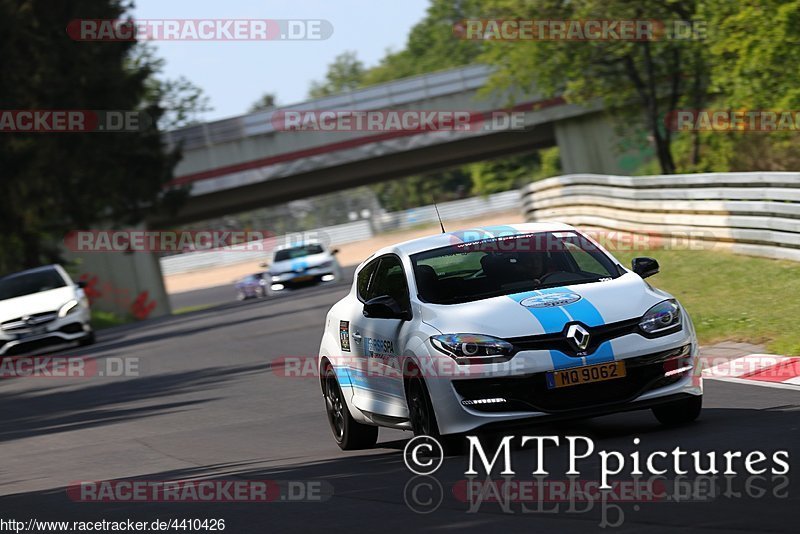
251,161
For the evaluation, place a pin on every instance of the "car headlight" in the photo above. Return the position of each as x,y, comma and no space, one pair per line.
276,278
662,319
69,307
473,348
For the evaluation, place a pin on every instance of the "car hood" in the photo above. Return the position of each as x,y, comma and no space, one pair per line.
548,310
44,301
299,264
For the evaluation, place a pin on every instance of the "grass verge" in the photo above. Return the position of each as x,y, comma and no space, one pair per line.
733,297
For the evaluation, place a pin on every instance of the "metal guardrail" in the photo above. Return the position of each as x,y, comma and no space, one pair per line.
755,213
349,232
196,261
456,209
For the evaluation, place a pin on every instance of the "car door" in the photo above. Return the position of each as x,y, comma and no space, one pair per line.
376,342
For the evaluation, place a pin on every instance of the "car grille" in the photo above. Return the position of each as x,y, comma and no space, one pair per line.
25,323
558,341
530,393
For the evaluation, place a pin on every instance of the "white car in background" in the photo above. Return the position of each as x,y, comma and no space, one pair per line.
482,328
42,306
301,265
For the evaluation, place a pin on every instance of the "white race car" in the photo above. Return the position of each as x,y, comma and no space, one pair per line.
40,307
459,331
301,265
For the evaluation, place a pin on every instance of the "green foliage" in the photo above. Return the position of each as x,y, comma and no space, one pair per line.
344,74
423,189
181,100
550,163
502,174
55,182
639,80
267,101
732,297
431,44
752,68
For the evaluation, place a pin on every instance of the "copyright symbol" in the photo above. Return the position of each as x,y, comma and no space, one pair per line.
423,455
423,495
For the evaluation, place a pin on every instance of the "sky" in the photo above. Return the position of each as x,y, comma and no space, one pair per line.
235,74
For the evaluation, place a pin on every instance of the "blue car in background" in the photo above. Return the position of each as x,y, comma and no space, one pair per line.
251,286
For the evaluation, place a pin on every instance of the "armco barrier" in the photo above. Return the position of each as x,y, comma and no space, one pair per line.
351,232
755,213
195,261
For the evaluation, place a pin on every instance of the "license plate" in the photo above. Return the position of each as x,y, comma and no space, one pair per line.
33,332
585,375
302,279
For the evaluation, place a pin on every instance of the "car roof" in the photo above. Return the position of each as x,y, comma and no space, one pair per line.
299,245
51,267
470,234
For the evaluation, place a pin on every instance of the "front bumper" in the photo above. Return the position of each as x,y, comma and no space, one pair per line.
517,389
73,327
297,279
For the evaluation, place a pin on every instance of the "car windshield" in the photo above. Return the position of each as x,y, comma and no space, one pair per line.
18,285
471,271
297,252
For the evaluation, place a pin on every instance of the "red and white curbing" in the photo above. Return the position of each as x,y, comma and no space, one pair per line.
755,369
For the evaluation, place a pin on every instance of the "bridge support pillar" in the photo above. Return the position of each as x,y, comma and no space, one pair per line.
127,284
589,143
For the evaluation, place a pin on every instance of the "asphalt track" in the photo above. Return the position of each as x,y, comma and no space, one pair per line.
207,404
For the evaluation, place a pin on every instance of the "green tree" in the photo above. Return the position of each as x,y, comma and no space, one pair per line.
748,63
650,75
267,101
182,102
55,182
344,74
431,44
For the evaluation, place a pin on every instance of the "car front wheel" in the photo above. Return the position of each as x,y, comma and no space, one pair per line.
679,412
348,433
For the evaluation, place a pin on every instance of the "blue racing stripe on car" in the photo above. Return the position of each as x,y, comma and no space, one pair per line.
342,376
582,310
552,319
562,361
603,354
298,265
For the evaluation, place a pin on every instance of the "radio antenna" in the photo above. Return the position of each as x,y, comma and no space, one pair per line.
438,216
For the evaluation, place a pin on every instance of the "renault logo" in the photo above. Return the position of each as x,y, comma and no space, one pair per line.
578,336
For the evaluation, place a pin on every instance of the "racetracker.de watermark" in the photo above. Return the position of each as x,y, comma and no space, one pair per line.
612,240
199,30
200,490
67,367
728,120
411,120
72,121
636,30
169,240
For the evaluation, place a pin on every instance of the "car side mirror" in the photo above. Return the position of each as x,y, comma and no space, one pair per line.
644,267
385,307
334,251
82,284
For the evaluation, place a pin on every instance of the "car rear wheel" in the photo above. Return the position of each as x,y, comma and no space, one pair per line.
348,433
679,412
